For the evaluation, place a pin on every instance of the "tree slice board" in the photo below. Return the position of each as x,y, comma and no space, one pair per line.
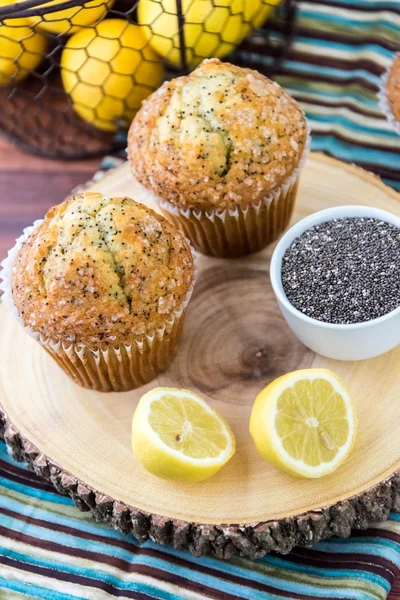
235,342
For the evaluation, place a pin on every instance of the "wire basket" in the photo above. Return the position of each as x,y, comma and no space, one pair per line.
74,73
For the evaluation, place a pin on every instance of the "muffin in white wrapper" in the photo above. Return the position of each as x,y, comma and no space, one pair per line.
389,93
222,149
106,364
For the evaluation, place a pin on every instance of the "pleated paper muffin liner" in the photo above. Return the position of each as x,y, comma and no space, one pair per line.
116,368
384,100
237,231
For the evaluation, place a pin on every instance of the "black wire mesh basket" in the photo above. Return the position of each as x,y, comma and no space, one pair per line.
74,73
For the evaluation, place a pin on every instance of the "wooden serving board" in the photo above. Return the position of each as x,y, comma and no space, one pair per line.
235,342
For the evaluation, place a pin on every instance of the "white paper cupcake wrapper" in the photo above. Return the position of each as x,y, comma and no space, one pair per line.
384,100
113,368
6,272
239,231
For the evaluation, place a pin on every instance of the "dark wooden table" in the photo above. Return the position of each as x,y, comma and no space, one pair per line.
29,186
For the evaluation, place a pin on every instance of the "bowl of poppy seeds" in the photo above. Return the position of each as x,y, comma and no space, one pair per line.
336,277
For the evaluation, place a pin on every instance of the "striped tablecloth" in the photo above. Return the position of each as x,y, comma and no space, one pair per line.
49,550
334,67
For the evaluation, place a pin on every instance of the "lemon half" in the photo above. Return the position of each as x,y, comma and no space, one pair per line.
304,422
176,435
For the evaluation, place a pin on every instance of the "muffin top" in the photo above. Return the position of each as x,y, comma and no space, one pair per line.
393,88
100,271
220,137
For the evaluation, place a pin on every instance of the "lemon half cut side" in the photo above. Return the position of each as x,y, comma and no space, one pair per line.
176,435
305,423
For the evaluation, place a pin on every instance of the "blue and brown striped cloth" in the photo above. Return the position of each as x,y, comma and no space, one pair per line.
334,69
49,550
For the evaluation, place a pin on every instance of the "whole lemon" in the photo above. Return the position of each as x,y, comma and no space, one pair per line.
209,30
21,49
107,72
68,21
256,12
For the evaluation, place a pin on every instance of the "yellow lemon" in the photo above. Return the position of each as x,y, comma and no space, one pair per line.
21,49
211,28
68,21
176,435
108,71
256,12
304,422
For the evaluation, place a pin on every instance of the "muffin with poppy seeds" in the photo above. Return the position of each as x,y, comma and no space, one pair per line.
103,284
222,149
389,94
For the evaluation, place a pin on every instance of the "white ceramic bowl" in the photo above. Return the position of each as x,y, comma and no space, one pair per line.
356,341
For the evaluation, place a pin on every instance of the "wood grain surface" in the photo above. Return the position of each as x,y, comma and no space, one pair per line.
29,186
